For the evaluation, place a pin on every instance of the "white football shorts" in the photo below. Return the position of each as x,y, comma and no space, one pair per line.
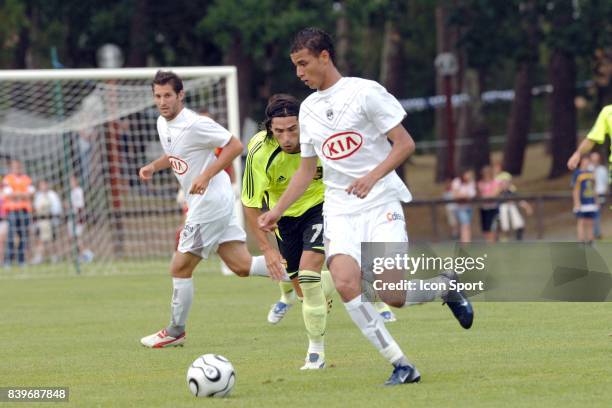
345,233
202,239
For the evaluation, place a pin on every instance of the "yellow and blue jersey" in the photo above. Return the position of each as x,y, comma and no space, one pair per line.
584,181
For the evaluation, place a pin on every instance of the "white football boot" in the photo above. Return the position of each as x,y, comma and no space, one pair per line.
314,361
162,339
278,311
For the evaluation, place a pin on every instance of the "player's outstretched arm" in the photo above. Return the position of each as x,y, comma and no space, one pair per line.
298,184
146,172
403,146
271,254
229,152
585,146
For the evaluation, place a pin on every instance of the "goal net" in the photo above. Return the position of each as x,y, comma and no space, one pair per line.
84,134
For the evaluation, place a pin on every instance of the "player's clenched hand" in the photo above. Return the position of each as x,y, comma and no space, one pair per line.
573,161
362,186
146,172
267,221
199,185
274,264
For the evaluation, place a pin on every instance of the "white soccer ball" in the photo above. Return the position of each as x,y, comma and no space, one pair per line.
211,375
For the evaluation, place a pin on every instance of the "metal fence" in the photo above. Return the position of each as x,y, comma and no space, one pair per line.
552,217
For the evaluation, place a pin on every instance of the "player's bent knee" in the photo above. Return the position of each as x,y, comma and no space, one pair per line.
181,272
242,272
241,269
236,256
182,265
347,288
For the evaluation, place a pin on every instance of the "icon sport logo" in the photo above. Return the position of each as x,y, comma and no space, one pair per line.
341,145
179,166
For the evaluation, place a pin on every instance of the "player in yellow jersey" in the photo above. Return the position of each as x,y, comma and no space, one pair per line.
273,157
602,127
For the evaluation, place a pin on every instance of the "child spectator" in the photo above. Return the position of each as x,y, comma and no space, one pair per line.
488,187
464,190
510,217
47,209
585,200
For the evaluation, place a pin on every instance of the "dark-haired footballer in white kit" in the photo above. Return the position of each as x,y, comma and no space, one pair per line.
346,124
189,141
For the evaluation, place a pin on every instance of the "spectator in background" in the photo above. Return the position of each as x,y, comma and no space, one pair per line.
510,217
76,226
488,187
585,200
600,172
464,190
18,192
47,210
498,172
451,210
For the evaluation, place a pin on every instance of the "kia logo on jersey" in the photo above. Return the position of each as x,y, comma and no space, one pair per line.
342,145
179,166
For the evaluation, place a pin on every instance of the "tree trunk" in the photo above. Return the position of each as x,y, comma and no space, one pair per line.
439,122
22,54
392,59
22,48
391,70
368,66
138,36
342,42
562,71
520,120
265,91
236,56
475,151
446,39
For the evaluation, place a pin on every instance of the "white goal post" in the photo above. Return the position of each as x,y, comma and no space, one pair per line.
96,128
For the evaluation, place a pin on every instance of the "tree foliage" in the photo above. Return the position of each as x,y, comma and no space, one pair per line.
206,32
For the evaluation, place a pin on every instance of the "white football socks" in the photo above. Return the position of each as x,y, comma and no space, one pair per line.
259,268
372,326
316,346
288,295
182,297
417,295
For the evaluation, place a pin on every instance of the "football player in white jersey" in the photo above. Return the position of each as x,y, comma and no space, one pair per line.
189,141
346,124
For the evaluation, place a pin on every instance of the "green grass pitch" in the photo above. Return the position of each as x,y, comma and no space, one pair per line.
83,332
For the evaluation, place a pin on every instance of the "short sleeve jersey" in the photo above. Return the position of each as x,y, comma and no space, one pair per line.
584,181
267,173
189,140
602,127
345,126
